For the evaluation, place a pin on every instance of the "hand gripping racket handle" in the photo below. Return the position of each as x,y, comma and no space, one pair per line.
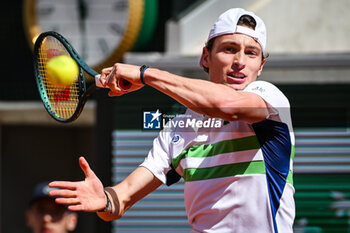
122,83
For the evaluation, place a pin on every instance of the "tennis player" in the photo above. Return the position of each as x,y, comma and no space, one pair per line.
238,178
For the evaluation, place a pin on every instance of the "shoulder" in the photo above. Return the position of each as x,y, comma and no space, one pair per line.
269,92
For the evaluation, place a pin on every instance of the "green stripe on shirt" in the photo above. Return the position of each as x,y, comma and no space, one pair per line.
227,170
227,146
292,153
290,178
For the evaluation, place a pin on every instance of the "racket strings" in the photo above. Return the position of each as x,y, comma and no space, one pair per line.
62,102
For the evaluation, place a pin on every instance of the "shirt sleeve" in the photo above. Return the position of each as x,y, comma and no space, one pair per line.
279,107
158,160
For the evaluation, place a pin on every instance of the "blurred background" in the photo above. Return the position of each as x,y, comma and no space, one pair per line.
308,43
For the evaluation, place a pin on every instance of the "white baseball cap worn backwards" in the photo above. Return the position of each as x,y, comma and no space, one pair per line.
227,24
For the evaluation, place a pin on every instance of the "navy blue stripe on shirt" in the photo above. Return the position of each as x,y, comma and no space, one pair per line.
276,146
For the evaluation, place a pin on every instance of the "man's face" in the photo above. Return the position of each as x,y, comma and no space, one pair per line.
45,216
235,60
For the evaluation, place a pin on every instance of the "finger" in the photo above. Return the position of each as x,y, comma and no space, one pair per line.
104,73
67,201
84,165
112,74
78,208
103,80
113,94
62,193
107,70
110,78
114,88
111,83
63,185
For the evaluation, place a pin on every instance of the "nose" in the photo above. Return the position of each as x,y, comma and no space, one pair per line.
238,61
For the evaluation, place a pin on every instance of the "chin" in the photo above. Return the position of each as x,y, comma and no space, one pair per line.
237,87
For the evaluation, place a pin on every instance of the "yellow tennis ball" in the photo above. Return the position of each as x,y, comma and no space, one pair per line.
62,70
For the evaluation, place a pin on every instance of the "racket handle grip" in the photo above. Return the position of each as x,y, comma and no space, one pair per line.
122,83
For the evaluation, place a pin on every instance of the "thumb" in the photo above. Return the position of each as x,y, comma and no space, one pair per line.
84,165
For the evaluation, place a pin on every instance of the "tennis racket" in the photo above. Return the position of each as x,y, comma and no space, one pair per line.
64,104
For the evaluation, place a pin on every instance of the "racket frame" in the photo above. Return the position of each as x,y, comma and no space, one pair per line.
83,91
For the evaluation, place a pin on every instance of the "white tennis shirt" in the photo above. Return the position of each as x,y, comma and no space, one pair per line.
238,177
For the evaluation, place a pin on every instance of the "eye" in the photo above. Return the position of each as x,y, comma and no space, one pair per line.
230,49
252,53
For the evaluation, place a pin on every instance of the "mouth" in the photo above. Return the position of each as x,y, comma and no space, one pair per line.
236,78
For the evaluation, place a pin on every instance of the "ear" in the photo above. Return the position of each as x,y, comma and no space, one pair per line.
71,221
261,66
204,61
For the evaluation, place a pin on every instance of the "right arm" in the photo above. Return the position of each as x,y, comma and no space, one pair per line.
202,96
88,195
